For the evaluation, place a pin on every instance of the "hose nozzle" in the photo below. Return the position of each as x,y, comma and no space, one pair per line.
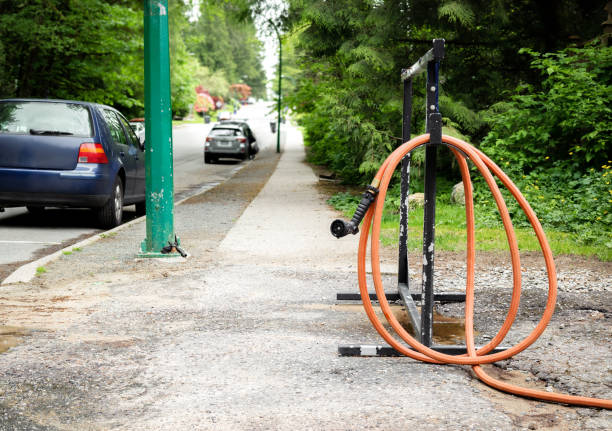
340,228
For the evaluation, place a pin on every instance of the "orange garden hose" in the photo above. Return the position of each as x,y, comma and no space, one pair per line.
473,357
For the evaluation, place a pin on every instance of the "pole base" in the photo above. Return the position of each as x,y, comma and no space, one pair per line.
156,255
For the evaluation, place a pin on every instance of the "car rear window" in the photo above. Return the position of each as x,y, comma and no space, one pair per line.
45,118
225,132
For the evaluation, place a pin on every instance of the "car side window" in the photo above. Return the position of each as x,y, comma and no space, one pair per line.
115,128
132,138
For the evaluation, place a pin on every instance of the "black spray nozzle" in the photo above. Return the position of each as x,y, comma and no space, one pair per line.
340,228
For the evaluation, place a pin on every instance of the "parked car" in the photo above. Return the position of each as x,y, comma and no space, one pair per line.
63,153
138,125
230,139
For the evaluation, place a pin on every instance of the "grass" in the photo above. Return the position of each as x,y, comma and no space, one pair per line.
41,270
451,234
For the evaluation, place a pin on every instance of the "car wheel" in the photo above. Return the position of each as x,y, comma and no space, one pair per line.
209,159
111,213
141,208
35,209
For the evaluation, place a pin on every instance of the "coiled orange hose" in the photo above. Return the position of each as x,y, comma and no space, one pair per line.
473,357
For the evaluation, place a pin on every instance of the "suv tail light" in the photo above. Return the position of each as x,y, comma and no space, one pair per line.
242,140
209,139
92,153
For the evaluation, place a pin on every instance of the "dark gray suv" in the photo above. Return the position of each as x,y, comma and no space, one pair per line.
230,139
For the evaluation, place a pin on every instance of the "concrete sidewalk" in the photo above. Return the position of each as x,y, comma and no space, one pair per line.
241,336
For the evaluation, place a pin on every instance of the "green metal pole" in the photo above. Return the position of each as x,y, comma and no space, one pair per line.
280,73
280,80
158,130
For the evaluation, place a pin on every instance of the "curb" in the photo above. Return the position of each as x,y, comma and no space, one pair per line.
25,273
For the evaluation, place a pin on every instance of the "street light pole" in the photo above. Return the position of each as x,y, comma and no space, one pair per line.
158,130
280,73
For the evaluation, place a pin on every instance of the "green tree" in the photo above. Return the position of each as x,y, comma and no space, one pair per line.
351,53
224,39
88,50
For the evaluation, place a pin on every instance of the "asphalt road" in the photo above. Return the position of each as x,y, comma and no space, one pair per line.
25,237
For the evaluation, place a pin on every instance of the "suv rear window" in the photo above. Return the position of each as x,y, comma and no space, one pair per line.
225,132
45,118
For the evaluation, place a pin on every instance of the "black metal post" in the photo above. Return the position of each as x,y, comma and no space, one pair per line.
403,277
405,187
434,128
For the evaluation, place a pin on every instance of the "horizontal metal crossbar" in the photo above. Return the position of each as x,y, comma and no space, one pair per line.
434,54
395,296
377,350
419,66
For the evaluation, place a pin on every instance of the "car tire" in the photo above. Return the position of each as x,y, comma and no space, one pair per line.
111,214
35,209
209,159
141,208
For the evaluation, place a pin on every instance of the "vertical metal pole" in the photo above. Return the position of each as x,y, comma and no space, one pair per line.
280,80
158,129
429,218
402,274
280,77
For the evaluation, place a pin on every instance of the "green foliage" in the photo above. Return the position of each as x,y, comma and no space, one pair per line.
548,132
457,12
351,52
87,50
224,41
567,117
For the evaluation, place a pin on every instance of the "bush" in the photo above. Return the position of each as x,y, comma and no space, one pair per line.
569,117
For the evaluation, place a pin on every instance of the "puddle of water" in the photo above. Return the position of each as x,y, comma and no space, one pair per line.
10,336
446,330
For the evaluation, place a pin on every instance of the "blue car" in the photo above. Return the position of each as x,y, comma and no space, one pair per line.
61,153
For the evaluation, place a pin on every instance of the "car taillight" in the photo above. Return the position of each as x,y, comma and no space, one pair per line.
92,153
241,139
209,139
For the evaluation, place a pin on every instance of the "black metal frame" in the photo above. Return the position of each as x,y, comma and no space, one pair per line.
423,323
